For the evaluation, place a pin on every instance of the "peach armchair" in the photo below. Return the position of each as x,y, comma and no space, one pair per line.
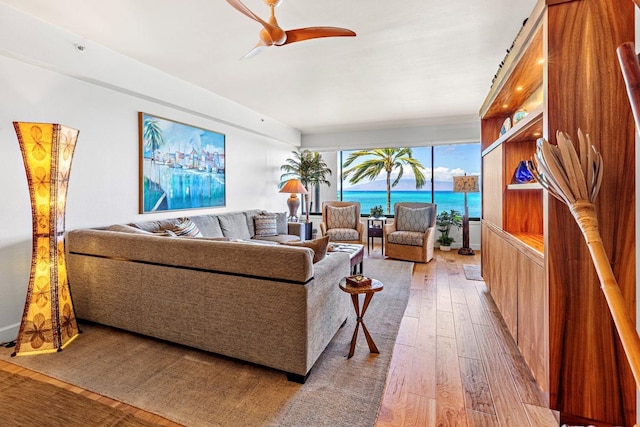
411,236
341,222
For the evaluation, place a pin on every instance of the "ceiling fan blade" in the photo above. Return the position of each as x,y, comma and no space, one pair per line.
240,7
308,33
256,50
272,34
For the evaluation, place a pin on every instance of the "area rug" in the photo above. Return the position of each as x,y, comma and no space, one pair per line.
197,388
25,401
472,272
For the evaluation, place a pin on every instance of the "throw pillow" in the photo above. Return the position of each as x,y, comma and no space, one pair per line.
319,247
186,228
265,225
341,217
413,219
281,221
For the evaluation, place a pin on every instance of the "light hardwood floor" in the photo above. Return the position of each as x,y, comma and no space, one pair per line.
453,363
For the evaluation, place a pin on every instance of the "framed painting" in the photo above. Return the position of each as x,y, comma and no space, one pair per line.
181,166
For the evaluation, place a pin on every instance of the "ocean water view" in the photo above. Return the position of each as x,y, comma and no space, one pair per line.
446,200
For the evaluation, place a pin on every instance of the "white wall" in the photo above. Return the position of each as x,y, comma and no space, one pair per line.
52,83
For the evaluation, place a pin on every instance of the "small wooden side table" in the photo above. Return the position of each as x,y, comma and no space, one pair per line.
374,229
355,291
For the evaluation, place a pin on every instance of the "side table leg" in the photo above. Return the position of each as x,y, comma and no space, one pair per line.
359,321
354,338
372,345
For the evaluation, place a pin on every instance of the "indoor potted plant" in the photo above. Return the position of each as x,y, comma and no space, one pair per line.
376,211
310,169
444,221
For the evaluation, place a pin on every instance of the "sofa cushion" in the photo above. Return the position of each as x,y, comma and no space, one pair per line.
278,238
124,228
413,219
319,247
208,225
265,225
341,217
234,225
153,226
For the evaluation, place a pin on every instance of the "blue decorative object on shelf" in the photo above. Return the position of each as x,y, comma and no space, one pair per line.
506,125
519,115
523,174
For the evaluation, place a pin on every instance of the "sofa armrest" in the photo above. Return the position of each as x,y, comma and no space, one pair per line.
323,229
296,229
429,237
389,228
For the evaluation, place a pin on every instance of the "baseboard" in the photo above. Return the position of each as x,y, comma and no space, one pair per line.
9,333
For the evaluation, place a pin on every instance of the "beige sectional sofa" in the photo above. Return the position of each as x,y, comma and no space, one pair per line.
263,303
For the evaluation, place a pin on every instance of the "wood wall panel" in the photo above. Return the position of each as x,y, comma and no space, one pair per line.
588,376
589,373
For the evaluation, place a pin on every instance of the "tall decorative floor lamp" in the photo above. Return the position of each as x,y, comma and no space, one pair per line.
48,320
293,186
465,184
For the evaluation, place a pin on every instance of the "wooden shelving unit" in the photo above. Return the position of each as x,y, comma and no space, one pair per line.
534,259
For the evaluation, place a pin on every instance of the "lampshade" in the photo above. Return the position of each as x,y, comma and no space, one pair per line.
465,184
48,320
293,186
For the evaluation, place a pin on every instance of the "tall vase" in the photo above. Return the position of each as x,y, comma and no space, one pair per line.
48,320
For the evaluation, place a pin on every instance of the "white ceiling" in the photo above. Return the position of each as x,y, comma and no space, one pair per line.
412,62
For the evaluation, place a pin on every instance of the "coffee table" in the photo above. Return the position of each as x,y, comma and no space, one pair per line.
355,291
355,251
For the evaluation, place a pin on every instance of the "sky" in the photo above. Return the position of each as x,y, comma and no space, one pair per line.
450,160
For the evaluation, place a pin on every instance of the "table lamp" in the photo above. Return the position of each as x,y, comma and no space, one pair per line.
293,186
465,184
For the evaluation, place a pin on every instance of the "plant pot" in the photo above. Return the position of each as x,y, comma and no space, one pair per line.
444,248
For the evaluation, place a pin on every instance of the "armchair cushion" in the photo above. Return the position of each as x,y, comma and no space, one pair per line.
412,238
343,234
341,217
413,219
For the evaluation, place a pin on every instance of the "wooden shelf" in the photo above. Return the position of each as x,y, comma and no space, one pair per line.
521,74
527,129
534,241
527,186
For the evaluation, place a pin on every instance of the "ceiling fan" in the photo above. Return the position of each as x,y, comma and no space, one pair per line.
272,35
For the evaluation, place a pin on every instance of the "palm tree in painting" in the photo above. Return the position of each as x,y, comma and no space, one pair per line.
310,169
153,137
384,160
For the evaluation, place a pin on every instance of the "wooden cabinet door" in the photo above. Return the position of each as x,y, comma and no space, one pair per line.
533,319
502,278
